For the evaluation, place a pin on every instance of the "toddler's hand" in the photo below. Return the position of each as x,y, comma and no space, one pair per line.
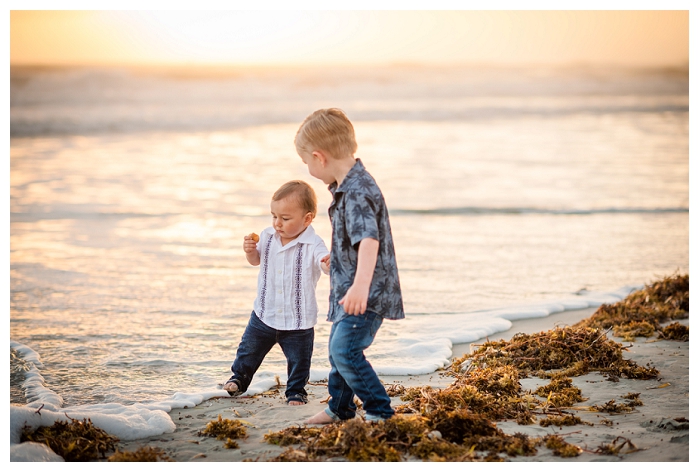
250,243
325,264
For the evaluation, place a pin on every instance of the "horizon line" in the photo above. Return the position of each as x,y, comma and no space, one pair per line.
299,65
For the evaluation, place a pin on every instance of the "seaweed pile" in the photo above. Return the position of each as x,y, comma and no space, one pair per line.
81,441
487,381
643,311
458,423
560,352
225,429
74,440
447,436
675,331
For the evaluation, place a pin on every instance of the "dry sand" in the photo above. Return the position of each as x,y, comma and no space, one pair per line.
653,428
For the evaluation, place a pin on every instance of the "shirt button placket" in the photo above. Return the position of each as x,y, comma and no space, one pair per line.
280,283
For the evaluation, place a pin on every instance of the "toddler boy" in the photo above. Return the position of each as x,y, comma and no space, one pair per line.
291,257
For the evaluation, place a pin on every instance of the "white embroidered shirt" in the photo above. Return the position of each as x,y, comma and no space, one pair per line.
286,284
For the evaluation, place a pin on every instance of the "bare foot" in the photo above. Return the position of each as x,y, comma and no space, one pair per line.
231,387
320,418
296,403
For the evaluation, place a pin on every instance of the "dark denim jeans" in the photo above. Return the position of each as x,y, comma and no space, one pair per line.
257,341
350,371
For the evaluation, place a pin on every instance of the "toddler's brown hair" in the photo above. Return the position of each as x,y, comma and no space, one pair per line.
304,194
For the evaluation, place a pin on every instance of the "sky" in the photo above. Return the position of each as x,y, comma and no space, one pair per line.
300,37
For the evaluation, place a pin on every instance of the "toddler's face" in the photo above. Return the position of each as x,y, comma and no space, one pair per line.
289,219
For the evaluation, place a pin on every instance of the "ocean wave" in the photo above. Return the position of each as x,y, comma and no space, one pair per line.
446,211
531,211
100,119
85,215
90,101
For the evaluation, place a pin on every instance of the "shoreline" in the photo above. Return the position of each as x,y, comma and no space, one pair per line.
652,428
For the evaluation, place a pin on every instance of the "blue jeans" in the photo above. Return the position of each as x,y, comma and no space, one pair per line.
350,371
258,339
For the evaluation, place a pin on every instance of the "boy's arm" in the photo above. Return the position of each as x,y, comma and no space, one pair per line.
322,255
355,300
325,264
251,252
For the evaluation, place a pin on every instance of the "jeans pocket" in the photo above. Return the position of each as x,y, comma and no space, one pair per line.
375,325
359,321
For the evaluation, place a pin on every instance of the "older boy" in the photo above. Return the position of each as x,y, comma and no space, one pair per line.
363,274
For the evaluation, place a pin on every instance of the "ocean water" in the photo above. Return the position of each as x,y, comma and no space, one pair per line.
513,193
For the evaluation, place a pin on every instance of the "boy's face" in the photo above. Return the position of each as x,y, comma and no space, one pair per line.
316,166
289,219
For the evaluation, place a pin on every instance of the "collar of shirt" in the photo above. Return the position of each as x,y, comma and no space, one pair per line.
306,237
354,172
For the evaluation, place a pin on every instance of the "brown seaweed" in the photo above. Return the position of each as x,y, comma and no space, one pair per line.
617,447
664,300
562,420
614,408
291,455
356,440
675,331
223,429
633,399
560,447
634,329
395,390
445,435
561,392
292,435
574,351
73,440
488,391
439,450
142,454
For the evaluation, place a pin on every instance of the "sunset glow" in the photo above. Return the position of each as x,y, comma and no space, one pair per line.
645,38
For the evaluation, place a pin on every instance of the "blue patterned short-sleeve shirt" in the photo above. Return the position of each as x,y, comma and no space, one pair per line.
358,211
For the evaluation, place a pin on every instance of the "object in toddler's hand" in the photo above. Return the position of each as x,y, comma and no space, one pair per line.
255,237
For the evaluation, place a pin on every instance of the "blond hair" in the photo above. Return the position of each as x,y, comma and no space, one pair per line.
304,194
327,129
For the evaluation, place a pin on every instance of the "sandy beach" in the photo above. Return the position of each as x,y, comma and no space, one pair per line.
659,429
